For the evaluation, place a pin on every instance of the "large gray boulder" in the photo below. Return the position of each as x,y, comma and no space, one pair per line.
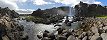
71,37
104,36
96,37
85,38
82,35
60,37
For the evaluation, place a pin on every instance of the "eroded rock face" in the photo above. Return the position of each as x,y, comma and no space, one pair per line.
90,10
9,29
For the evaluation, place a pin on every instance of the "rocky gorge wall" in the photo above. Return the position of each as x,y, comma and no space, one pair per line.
9,28
89,10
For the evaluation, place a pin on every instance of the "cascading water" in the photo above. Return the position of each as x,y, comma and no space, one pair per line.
71,11
70,15
33,29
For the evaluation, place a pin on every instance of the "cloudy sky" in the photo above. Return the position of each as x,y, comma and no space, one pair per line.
27,6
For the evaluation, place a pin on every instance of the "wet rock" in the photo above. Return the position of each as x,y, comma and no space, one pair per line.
52,36
104,36
45,34
59,30
46,31
39,36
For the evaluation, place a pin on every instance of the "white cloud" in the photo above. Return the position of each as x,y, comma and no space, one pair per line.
24,11
12,4
9,4
74,2
97,3
17,0
40,2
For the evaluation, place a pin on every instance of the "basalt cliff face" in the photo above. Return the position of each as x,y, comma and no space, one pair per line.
51,15
52,11
89,10
9,29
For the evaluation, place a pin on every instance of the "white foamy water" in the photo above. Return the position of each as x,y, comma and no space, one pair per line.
33,29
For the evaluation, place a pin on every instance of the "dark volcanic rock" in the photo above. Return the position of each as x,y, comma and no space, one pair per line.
6,11
90,10
52,15
9,29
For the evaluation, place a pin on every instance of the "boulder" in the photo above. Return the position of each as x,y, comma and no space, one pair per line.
94,29
96,37
105,28
104,36
82,35
85,38
60,37
39,36
45,38
71,37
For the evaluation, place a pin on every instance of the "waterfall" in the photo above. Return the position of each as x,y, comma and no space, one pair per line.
71,11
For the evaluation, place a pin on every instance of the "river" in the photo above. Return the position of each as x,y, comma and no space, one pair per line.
32,29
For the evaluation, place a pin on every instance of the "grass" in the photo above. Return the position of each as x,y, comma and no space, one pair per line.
34,19
102,16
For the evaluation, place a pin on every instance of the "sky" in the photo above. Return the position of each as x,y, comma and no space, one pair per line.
28,6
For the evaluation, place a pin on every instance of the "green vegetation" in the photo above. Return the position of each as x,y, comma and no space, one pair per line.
34,19
101,16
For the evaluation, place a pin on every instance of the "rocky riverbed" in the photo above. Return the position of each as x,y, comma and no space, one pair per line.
90,29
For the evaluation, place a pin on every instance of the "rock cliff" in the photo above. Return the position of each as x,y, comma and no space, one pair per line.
89,10
51,15
9,29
